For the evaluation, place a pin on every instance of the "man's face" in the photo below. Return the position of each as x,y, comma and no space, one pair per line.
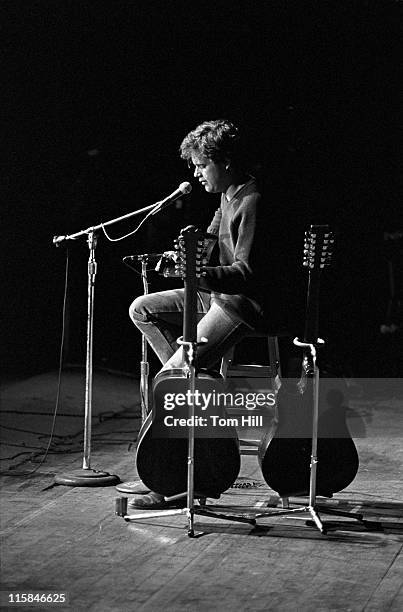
212,175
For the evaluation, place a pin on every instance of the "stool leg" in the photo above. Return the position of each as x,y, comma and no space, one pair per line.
226,362
274,355
285,502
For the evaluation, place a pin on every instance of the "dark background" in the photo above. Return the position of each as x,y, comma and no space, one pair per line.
97,98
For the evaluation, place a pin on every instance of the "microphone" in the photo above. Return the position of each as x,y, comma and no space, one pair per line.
183,189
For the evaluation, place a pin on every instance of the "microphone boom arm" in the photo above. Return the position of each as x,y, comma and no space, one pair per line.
57,240
183,189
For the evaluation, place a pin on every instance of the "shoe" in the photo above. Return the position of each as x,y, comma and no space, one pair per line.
154,501
137,487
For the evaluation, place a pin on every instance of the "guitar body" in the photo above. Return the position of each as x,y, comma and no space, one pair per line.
163,444
285,454
162,450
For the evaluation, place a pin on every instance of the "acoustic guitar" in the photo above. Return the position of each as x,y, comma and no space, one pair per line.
285,450
162,446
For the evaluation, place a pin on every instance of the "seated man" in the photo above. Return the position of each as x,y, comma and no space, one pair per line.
230,295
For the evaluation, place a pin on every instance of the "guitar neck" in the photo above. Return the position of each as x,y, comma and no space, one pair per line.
191,248
312,308
317,254
190,311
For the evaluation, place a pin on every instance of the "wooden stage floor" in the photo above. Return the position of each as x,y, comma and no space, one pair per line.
63,539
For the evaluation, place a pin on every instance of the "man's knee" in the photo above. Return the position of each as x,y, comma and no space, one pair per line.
138,309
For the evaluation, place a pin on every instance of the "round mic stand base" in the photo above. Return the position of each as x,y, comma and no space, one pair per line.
87,478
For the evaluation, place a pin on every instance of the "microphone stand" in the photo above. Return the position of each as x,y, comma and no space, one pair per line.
136,485
87,477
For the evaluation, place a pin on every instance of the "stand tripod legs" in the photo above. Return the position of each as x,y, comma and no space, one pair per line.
316,519
121,509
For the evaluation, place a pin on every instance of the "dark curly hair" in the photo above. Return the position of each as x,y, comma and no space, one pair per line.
217,140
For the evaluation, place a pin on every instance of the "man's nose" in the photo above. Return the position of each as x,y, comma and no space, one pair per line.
196,172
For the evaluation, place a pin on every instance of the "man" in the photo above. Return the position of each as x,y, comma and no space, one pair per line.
230,295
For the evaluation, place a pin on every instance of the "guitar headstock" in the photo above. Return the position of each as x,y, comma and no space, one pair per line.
318,247
191,252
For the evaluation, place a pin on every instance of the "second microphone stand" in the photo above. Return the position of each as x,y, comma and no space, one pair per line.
136,485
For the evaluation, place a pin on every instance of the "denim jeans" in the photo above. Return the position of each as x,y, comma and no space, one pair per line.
159,316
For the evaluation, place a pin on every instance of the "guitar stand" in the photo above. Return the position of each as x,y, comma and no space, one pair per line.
189,369
313,508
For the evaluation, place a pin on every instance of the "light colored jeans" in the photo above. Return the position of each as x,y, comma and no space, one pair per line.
159,316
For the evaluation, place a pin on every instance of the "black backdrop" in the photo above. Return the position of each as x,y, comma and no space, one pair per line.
97,97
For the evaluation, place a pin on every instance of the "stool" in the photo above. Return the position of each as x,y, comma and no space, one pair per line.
234,373
274,365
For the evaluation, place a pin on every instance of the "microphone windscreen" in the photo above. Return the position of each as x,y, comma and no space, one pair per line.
185,187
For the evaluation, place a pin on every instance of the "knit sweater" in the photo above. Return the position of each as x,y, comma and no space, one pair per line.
238,282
